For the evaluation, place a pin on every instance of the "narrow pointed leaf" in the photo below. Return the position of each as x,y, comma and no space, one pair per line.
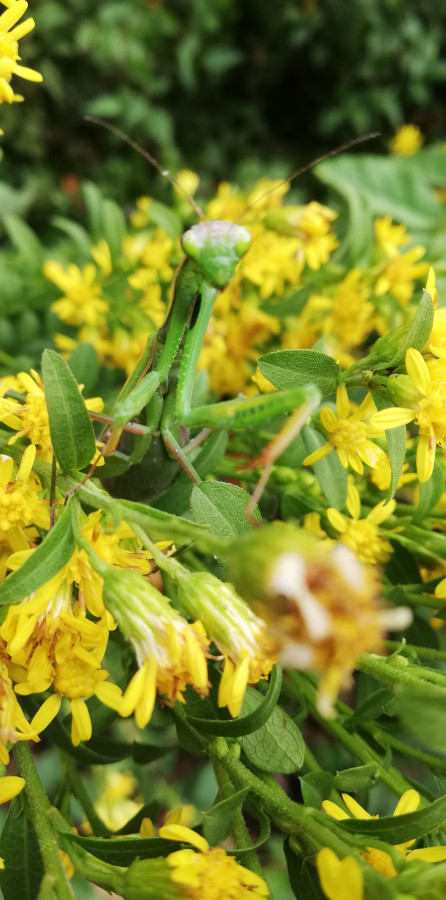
71,430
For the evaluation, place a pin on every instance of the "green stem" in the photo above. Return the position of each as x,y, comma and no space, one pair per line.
39,806
167,564
413,676
80,791
385,739
239,831
422,652
298,685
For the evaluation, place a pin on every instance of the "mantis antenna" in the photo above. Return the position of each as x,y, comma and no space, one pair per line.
151,159
311,165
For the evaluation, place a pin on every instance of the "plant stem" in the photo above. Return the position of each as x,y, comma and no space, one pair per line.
39,805
79,790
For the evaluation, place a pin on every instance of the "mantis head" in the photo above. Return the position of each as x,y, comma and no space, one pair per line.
217,247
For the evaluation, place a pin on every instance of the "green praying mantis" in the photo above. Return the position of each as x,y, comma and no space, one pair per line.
163,379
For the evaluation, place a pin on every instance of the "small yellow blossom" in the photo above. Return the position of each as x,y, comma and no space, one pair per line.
272,263
141,216
242,638
170,653
188,181
389,237
379,859
30,419
115,803
381,474
407,140
82,301
311,225
209,874
363,535
10,34
425,389
20,501
349,434
340,878
399,273
13,724
102,257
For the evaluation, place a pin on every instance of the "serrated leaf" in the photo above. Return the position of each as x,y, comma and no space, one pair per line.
278,745
20,850
430,493
295,368
316,787
244,724
222,507
397,829
217,820
71,430
46,561
331,476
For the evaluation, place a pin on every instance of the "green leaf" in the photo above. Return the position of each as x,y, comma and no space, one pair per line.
296,368
372,707
20,850
222,507
122,851
46,561
425,717
140,752
302,875
421,327
331,476
390,185
166,218
356,779
148,811
84,364
265,833
161,525
278,745
217,820
258,712
78,235
430,493
25,241
396,443
316,787
397,829
115,227
71,430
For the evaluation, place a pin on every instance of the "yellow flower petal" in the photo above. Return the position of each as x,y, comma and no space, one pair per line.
186,835
340,879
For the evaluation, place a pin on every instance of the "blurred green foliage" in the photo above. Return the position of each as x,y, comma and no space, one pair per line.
208,84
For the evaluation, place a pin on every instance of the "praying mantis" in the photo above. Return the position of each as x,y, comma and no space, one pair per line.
163,379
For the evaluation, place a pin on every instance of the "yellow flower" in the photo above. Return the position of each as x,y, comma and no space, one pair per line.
362,535
271,263
379,859
349,434
115,804
30,419
82,301
10,34
390,237
399,273
311,225
188,181
239,634
425,390
209,874
228,205
102,257
170,653
407,140
340,878
381,475
140,217
264,386
346,318
20,504
13,724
